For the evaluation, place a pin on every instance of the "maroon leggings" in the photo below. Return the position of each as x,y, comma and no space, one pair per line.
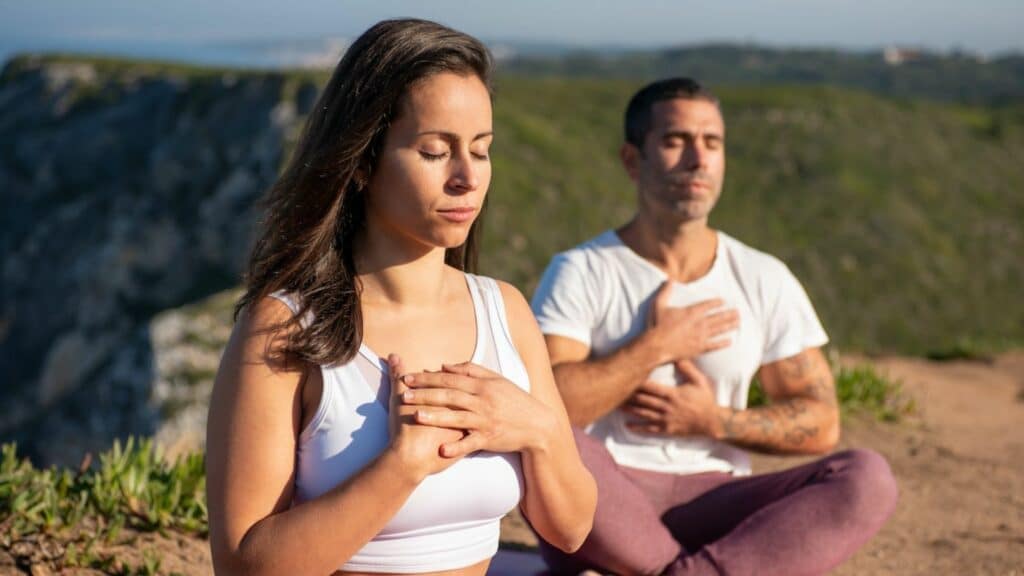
805,520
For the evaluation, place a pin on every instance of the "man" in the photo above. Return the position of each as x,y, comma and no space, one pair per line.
655,331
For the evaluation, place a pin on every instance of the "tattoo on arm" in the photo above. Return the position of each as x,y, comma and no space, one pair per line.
804,407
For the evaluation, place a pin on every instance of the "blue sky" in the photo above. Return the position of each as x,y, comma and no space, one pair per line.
985,26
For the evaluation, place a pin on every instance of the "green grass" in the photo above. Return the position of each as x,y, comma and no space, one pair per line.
860,389
132,485
863,389
902,217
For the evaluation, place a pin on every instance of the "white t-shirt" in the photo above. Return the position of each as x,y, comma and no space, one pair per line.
598,293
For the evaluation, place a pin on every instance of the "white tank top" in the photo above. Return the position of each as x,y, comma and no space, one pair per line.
452,519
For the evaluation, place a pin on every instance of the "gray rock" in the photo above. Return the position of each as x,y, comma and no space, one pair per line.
125,194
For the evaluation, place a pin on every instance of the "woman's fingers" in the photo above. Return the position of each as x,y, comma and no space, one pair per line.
472,442
445,418
395,370
444,397
440,380
468,369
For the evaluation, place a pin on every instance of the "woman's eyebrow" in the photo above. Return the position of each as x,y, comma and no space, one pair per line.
453,136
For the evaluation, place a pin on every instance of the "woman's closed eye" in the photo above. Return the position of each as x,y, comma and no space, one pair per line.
434,155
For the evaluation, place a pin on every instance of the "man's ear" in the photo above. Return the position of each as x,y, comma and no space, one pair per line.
630,156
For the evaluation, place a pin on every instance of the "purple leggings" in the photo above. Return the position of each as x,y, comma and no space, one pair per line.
805,520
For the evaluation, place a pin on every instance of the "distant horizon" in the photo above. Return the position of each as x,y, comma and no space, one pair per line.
986,28
257,53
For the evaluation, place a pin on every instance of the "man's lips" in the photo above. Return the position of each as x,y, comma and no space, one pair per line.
692,187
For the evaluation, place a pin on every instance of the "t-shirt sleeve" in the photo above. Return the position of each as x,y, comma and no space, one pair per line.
792,325
564,301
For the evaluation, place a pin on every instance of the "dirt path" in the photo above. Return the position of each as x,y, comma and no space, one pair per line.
959,462
960,465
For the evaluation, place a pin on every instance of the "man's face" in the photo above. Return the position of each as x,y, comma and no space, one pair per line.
680,170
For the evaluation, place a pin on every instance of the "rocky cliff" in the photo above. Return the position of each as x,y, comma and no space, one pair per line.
125,190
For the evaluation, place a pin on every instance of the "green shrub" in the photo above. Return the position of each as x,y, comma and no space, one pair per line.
859,389
133,485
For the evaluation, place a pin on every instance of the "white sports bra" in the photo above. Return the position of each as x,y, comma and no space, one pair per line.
452,519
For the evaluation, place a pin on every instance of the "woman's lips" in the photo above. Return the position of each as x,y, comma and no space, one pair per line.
458,214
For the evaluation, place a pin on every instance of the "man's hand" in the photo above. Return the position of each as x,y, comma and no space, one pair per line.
687,332
689,409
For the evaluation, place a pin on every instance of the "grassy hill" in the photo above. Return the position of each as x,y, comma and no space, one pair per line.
903,218
952,77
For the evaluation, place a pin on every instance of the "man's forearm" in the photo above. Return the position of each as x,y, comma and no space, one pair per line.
593,388
791,426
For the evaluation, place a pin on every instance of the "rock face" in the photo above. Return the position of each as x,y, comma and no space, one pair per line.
125,190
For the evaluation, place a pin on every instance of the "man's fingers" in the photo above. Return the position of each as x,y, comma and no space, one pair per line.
646,400
712,345
689,369
645,414
645,428
444,397
655,389
692,374
722,321
472,442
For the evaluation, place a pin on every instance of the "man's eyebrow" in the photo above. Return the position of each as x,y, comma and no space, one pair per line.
684,134
453,136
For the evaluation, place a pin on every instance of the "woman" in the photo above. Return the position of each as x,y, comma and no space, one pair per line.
321,456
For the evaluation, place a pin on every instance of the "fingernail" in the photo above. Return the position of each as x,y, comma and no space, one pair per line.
407,379
422,415
407,396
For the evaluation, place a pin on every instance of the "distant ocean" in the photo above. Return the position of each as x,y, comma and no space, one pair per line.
274,53
312,53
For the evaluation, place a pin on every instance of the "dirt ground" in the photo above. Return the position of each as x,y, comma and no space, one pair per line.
959,462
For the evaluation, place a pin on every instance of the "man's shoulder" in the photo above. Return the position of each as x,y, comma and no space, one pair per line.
749,260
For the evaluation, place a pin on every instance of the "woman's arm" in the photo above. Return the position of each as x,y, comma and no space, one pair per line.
498,416
561,495
251,443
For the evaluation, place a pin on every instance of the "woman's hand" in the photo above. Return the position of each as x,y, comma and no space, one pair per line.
495,414
418,445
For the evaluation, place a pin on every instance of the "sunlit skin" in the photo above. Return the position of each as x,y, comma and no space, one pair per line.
422,197
681,168
434,170
678,174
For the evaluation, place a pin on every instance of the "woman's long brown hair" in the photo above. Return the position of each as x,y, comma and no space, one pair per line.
315,209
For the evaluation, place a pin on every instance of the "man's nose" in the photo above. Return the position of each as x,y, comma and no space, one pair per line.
695,157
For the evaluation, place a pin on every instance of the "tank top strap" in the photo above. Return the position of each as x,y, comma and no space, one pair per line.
292,302
495,304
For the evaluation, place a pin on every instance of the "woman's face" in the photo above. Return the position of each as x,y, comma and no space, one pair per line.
433,173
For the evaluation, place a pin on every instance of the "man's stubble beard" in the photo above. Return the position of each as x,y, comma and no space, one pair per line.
669,211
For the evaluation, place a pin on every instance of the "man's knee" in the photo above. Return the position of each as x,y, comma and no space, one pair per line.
871,484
